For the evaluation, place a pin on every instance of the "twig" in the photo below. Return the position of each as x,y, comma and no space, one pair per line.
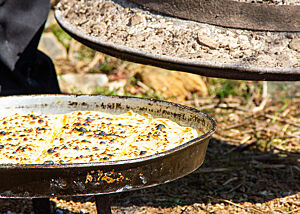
231,107
271,166
265,99
234,188
242,147
237,124
224,139
282,120
206,170
145,87
293,211
184,210
237,205
264,157
230,180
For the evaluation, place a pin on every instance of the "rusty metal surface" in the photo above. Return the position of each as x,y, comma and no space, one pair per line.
206,68
228,13
40,180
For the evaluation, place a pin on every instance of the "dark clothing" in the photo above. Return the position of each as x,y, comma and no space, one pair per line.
24,69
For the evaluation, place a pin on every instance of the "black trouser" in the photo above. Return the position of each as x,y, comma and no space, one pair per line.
34,72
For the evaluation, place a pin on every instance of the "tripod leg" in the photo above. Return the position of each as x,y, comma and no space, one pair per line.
103,204
41,205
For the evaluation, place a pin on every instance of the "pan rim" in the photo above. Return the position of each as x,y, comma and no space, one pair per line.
200,139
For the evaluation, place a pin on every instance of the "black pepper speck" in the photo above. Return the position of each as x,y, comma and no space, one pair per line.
143,152
82,129
50,151
160,126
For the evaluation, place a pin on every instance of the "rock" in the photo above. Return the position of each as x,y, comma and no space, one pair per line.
74,50
63,66
173,85
205,40
50,20
84,64
136,19
81,83
117,85
50,45
295,44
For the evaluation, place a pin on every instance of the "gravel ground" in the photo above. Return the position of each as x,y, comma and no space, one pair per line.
126,24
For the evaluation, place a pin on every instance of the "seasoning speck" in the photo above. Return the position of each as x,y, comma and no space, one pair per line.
89,119
82,129
50,151
160,126
143,152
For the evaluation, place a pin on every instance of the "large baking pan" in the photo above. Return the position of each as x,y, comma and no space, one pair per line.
42,180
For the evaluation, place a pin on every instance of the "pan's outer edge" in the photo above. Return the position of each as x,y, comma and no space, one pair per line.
87,179
210,69
228,13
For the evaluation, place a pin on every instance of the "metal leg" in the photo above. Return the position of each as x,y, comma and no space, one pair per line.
103,204
41,206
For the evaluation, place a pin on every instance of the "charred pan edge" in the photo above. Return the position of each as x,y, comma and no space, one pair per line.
241,15
219,70
199,139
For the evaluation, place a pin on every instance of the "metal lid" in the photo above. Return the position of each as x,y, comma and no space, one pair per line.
244,68
229,13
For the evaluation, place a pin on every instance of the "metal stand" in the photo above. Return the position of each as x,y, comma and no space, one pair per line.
103,204
41,205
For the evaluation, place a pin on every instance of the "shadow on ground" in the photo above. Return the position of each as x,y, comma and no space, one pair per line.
228,173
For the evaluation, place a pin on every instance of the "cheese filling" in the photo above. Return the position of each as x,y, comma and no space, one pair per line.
87,136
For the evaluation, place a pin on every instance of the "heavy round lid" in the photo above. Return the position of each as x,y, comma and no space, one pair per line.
131,32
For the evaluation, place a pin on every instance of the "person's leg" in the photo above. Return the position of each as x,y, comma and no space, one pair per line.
23,69
34,73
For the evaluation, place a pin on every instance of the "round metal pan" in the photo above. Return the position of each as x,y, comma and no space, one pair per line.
237,14
41,180
205,68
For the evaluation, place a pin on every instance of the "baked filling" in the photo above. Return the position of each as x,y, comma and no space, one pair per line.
87,136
